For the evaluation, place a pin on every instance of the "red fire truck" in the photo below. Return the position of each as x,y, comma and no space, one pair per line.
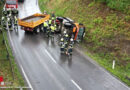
11,4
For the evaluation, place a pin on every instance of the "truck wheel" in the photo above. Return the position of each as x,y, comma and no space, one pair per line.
38,30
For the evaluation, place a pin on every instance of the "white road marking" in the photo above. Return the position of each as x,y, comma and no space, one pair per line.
26,78
76,84
50,56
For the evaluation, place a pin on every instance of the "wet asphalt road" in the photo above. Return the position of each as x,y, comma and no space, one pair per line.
47,69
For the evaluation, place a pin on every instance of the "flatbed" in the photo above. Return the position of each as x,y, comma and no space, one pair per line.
33,22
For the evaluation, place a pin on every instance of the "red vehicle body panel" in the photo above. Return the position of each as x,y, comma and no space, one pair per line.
10,5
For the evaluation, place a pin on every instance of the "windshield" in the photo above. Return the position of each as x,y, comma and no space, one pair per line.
11,2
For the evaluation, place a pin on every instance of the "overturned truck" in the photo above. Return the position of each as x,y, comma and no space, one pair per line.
74,30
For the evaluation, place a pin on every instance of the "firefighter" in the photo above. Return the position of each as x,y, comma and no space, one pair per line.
62,48
45,25
9,23
71,42
69,50
9,16
50,22
2,20
61,41
66,37
81,32
3,23
4,12
64,33
53,21
53,18
15,22
53,15
48,31
9,11
52,30
15,12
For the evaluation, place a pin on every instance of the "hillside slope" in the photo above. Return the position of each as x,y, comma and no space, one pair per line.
107,31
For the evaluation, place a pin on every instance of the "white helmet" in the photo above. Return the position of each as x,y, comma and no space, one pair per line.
64,32
62,39
66,35
71,40
9,15
2,18
8,19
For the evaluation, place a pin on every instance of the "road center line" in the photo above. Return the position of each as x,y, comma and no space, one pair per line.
50,56
76,84
26,78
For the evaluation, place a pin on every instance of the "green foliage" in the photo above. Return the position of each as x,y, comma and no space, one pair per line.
60,12
98,20
127,18
122,5
1,7
90,26
91,4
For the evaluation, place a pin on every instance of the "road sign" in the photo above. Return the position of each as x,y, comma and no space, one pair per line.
2,81
1,78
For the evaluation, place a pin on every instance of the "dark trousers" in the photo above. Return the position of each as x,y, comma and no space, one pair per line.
45,29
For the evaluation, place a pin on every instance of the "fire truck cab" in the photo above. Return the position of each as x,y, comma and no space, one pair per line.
12,4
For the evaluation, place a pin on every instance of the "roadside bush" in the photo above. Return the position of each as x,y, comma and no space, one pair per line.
122,5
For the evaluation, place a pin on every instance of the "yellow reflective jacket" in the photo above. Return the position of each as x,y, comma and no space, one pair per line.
52,28
45,24
50,21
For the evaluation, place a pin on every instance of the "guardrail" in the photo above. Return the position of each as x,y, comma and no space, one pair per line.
7,50
12,88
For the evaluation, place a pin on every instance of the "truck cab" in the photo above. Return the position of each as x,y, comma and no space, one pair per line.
12,4
74,30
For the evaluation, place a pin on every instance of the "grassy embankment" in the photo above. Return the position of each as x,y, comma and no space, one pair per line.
5,68
107,30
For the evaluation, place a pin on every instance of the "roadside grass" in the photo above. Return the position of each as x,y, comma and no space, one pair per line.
106,61
122,5
18,79
5,68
